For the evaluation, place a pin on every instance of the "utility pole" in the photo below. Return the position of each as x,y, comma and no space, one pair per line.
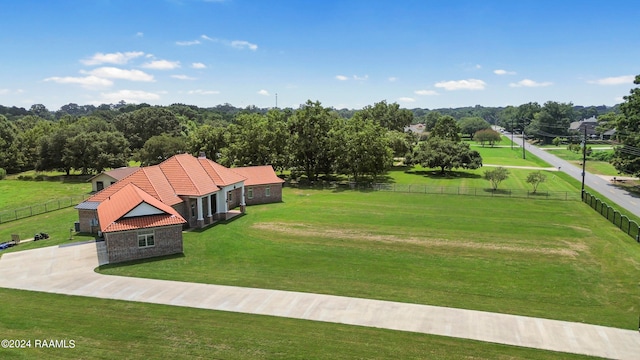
523,155
276,100
584,158
511,134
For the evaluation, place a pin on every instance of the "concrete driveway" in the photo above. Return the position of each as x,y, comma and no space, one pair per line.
70,270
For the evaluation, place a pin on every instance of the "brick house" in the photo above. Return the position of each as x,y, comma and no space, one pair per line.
108,178
195,191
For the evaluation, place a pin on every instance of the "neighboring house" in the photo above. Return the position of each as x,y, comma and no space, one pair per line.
590,124
415,128
108,178
193,192
609,134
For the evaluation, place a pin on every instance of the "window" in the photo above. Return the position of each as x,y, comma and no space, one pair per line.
229,196
145,238
193,210
99,185
250,193
267,191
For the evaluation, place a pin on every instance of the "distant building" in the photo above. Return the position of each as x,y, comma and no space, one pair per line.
415,128
590,124
108,178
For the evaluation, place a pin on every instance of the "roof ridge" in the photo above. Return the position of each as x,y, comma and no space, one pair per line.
195,183
152,183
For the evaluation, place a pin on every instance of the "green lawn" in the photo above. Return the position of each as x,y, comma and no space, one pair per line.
110,329
593,166
19,193
551,259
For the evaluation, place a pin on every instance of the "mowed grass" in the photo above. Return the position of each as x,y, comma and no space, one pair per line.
111,329
20,193
550,259
592,166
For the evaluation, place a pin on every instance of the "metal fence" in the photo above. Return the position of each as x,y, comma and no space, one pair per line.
51,205
448,190
614,216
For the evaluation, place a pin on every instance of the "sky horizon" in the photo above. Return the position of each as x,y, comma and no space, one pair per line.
345,54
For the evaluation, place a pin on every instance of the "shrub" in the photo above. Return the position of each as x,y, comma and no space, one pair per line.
3,173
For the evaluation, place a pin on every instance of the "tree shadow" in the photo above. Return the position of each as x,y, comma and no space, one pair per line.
437,174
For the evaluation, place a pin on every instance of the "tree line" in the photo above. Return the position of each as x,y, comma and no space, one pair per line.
312,140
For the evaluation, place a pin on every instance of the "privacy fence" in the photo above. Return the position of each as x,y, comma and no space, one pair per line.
51,205
621,221
448,190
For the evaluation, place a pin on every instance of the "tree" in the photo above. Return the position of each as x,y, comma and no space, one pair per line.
208,139
445,154
536,178
626,158
446,128
361,147
487,136
496,176
399,142
141,124
471,125
309,142
159,148
553,120
389,116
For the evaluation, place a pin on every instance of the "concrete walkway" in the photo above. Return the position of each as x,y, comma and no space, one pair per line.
70,270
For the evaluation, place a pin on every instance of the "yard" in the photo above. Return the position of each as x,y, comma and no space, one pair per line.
551,259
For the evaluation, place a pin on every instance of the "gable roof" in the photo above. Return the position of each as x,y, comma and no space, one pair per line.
187,176
219,174
112,210
119,173
150,179
258,175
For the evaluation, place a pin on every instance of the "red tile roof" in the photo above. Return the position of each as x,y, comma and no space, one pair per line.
128,197
258,175
219,174
119,173
187,176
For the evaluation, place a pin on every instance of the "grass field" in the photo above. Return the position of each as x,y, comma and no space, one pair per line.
110,329
594,167
547,259
19,193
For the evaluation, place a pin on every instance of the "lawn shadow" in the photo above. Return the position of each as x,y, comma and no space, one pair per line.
437,174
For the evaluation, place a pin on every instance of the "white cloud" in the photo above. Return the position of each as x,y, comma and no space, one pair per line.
129,96
469,84
361,78
616,80
530,83
426,92
263,92
188,42
198,65
241,44
112,58
140,34
4,91
203,92
392,79
503,72
183,77
207,38
87,82
116,73
342,77
161,65
406,99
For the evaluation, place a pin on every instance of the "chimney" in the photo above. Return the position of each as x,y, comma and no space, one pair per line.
202,155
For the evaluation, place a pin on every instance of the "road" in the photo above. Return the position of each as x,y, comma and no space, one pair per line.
623,198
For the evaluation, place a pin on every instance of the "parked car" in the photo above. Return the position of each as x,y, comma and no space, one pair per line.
7,244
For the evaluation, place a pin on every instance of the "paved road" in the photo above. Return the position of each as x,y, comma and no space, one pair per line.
623,198
69,270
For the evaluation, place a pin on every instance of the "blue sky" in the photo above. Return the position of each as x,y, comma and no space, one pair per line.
350,53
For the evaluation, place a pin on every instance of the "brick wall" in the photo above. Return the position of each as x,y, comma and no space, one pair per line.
123,246
85,217
259,196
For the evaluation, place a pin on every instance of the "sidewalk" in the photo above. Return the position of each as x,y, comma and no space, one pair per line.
69,270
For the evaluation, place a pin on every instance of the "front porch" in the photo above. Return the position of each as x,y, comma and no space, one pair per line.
216,206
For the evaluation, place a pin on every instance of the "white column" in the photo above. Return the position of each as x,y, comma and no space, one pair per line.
226,200
209,203
242,202
199,207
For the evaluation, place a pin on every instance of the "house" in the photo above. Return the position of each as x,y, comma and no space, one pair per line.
415,128
589,124
107,178
182,192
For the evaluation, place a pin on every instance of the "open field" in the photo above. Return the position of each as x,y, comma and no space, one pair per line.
594,167
19,193
555,260
108,329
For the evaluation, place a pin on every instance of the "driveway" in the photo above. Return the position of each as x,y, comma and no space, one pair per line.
70,270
